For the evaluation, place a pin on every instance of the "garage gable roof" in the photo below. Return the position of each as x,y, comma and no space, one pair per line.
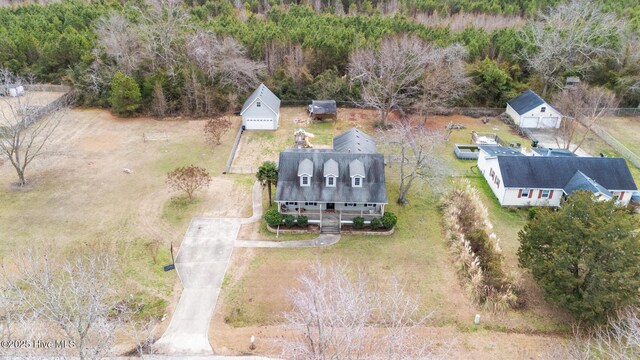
267,97
525,102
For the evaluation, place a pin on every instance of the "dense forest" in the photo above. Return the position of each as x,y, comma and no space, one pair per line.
203,57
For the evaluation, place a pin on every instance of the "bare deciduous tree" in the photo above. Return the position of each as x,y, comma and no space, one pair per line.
414,145
215,128
582,108
569,37
188,179
337,318
445,79
121,41
223,60
389,76
74,297
618,339
23,133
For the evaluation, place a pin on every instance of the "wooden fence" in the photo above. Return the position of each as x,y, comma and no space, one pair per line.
617,145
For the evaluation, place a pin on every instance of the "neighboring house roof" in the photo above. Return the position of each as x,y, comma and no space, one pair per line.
495,150
373,188
323,107
356,168
354,141
330,168
305,167
266,96
553,152
580,181
525,102
555,172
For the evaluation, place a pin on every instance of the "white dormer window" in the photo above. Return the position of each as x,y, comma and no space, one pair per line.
258,104
304,180
331,181
357,181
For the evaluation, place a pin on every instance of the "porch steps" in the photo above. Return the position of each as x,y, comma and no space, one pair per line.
330,224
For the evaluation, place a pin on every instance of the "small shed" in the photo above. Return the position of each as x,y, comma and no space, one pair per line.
323,109
571,82
529,110
261,110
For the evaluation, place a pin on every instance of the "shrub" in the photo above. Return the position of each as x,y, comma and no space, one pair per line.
289,221
358,222
125,95
389,220
273,217
302,220
376,223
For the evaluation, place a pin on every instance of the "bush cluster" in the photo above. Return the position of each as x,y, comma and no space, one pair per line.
274,218
476,250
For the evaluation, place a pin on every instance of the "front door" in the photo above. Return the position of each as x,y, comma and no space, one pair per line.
331,206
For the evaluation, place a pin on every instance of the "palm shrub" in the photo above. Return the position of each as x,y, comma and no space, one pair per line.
358,222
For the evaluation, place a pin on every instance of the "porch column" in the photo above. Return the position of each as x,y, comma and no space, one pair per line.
340,219
382,211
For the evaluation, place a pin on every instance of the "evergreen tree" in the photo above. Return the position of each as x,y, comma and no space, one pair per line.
585,256
125,95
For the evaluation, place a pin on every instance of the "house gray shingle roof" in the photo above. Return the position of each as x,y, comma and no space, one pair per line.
266,96
305,167
555,172
356,168
373,188
580,181
330,168
323,106
525,102
354,141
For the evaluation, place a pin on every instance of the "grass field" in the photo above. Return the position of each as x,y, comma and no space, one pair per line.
79,198
416,253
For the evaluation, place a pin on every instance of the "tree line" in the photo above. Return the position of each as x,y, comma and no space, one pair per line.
201,58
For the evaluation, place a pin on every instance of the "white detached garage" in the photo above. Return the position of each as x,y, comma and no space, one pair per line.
530,111
261,111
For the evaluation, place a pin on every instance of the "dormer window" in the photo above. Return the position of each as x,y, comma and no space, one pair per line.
356,172
331,181
330,172
305,172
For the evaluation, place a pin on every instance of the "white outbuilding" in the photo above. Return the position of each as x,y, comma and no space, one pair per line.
261,111
529,110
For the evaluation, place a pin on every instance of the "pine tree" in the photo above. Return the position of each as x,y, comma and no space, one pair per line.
585,256
125,95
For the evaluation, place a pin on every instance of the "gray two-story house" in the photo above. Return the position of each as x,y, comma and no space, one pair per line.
332,186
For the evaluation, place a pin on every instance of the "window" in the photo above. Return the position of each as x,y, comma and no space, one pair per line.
258,104
545,194
331,181
543,109
311,204
357,181
304,181
498,182
525,193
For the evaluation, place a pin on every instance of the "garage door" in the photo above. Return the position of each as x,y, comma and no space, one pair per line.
259,124
529,122
549,122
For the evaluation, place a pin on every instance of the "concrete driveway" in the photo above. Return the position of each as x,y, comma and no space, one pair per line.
201,264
